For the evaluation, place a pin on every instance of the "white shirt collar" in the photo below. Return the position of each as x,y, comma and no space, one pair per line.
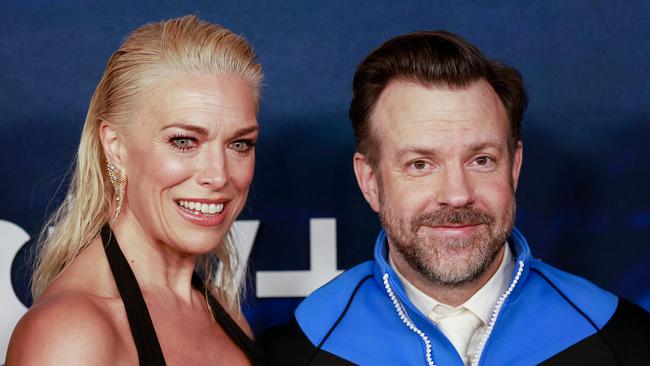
480,304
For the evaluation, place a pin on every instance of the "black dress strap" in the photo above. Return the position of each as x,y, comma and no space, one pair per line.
250,348
144,334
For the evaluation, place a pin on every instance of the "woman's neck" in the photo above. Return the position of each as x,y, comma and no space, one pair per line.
156,265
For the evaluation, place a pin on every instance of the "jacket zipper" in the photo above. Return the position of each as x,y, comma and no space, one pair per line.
407,321
495,315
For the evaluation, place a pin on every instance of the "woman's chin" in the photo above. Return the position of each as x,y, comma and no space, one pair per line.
198,243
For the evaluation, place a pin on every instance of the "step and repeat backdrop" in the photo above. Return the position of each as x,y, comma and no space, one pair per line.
583,198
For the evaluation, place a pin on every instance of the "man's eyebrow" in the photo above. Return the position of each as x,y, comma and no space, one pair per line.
431,151
486,145
414,149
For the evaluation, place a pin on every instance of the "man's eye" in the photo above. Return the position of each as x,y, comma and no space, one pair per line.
483,162
420,165
183,143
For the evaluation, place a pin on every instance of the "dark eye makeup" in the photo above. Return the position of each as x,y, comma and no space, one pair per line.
183,142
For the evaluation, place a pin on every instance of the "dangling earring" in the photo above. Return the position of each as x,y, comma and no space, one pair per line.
119,185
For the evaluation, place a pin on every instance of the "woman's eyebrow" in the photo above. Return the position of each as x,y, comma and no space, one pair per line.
246,130
190,127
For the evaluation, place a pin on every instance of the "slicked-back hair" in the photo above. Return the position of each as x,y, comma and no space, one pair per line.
184,46
430,58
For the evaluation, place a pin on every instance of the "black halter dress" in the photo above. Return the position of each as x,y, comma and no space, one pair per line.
144,334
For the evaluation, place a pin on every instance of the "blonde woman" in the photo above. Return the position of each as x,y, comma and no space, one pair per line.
163,169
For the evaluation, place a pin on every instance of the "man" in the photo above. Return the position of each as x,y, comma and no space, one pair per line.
437,128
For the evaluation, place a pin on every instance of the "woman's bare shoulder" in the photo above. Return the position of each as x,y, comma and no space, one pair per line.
66,329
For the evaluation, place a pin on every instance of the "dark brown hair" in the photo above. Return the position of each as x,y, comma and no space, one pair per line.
429,59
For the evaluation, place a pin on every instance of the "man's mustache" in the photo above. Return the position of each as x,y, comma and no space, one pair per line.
453,216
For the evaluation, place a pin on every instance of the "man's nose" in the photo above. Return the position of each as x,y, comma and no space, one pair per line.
453,187
214,170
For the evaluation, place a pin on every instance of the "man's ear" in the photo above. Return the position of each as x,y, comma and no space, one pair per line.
112,144
367,180
516,164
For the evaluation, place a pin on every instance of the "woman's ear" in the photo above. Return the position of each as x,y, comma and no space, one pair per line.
112,144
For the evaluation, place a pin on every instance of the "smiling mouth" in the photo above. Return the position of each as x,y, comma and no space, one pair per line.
454,229
454,226
197,208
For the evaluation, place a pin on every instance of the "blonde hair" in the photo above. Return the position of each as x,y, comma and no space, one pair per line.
183,45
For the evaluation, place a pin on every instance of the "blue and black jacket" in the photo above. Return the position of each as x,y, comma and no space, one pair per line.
546,316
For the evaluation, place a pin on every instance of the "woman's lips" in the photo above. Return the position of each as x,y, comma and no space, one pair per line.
202,212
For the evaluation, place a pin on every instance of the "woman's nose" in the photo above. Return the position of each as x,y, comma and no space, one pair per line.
213,173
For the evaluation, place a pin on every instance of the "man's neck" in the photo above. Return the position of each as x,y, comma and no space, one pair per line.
449,295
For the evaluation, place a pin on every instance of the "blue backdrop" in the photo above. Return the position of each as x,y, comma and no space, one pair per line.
583,200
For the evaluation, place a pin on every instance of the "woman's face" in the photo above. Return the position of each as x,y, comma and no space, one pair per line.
189,156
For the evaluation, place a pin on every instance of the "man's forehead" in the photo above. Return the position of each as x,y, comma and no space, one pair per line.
407,105
446,99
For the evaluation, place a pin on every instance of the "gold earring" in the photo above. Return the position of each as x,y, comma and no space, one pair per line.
119,185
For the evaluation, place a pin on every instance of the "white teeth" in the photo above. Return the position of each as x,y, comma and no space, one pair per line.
216,208
206,208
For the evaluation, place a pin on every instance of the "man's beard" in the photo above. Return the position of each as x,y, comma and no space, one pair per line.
434,257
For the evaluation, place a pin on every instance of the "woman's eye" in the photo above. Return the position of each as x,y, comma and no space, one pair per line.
242,146
183,143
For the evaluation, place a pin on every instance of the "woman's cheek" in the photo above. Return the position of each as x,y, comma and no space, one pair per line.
171,171
244,174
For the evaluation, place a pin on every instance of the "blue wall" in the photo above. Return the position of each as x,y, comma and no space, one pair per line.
583,200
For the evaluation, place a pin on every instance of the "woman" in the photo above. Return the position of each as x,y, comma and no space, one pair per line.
163,169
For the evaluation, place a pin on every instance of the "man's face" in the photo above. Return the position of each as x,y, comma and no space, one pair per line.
444,182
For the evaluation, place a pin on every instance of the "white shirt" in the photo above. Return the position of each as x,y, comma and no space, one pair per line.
465,324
